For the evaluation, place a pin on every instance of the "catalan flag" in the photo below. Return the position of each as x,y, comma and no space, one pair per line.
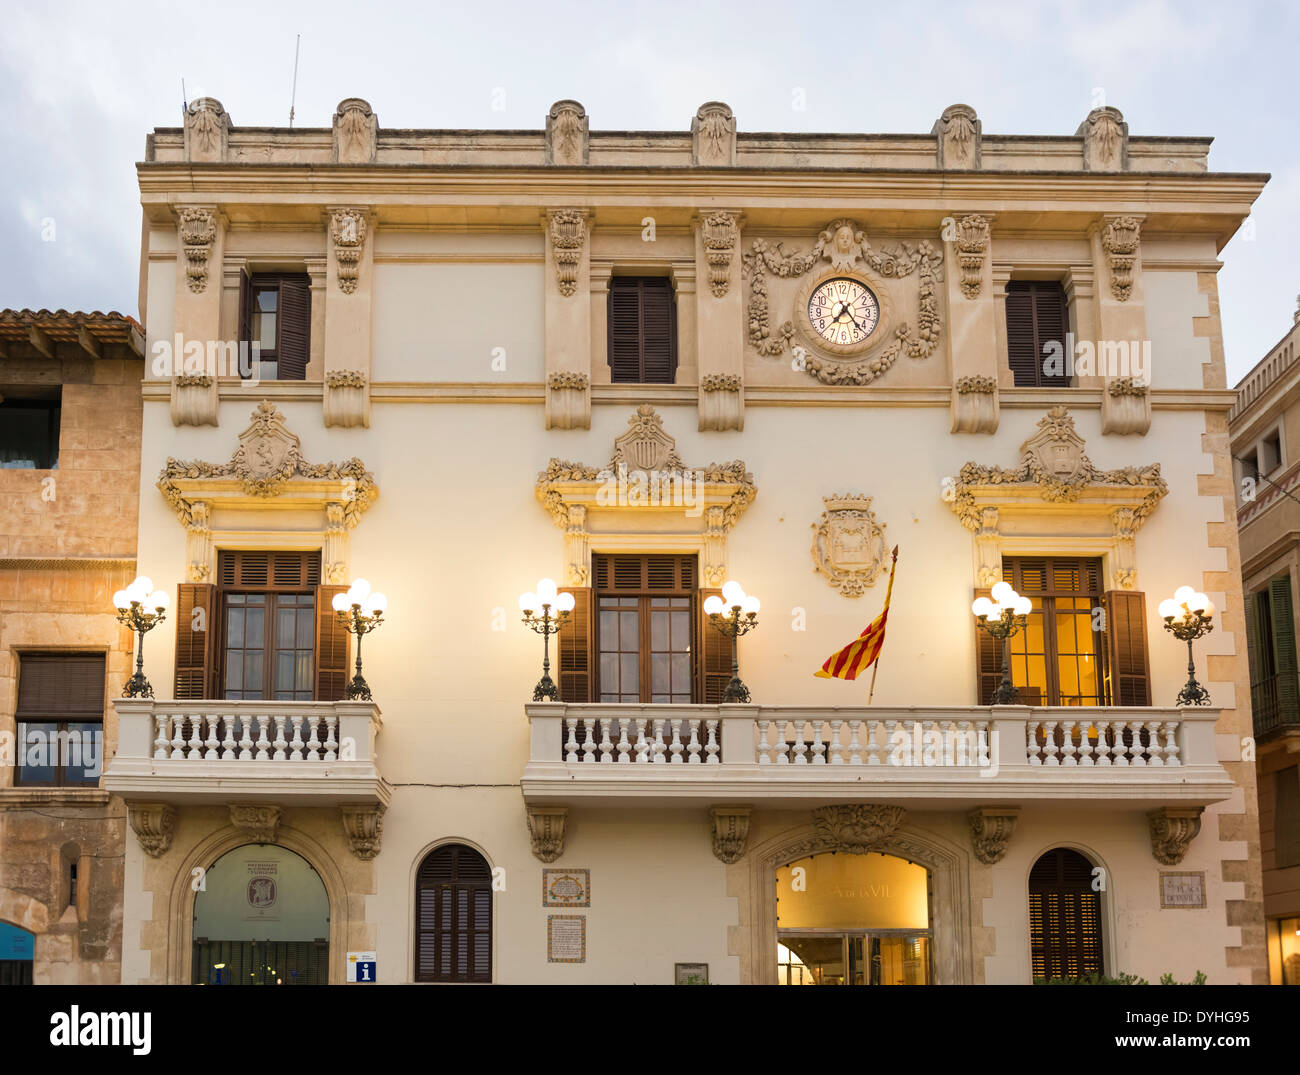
861,653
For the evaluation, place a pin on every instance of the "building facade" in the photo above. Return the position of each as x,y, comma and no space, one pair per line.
643,365
1265,426
70,413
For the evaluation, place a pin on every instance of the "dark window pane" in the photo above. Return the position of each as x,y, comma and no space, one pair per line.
38,753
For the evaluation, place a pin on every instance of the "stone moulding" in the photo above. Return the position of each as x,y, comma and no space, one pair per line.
720,235
972,246
345,379
153,824
645,473
546,830
207,131
713,136
348,231
567,134
356,132
848,545
568,403
976,384
565,379
845,246
720,382
346,401
1105,140
568,232
1054,469
260,821
1119,239
959,133
1172,832
991,829
363,826
721,404
856,827
975,404
730,825
197,228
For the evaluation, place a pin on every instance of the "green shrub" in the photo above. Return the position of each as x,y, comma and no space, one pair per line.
1122,979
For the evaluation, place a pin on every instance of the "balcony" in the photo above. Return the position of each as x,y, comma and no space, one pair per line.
936,758
283,753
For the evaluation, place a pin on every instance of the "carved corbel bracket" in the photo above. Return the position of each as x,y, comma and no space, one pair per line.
1126,406
356,132
856,827
1120,236
988,549
991,829
972,242
721,402
197,229
363,826
568,400
546,830
1124,545
348,233
567,134
975,404
958,133
730,831
198,542
260,821
154,825
720,233
567,229
207,131
1172,831
713,136
1105,140
347,398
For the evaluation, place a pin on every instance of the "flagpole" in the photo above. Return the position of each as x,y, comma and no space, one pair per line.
875,665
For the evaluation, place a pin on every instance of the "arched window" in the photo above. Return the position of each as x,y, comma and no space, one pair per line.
1064,916
453,916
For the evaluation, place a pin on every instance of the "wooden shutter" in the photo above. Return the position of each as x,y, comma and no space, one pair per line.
1127,668
1037,312
1284,654
332,671
1021,356
295,328
642,330
1286,818
624,331
60,686
713,669
574,649
1252,609
245,329
988,660
196,630
1064,917
453,916
1051,322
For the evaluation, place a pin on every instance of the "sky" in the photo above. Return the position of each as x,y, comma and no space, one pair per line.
83,83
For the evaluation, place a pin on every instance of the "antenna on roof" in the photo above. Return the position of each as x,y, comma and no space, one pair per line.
293,95
185,104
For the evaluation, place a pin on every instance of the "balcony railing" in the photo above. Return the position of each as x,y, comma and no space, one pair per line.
304,753
1273,703
640,752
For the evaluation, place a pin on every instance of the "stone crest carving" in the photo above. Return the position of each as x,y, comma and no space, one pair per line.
730,832
198,229
720,235
991,829
568,232
972,245
567,134
845,246
261,821
1105,140
546,825
848,544
154,824
855,827
1119,239
645,445
356,132
363,825
713,136
959,133
1172,831
348,230
207,130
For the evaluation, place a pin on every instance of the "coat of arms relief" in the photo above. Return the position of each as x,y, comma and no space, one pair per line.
849,544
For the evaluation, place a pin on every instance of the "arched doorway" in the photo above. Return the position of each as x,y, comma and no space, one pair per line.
453,916
845,919
261,917
17,952
1065,936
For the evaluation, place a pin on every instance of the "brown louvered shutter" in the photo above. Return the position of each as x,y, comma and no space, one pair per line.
453,916
60,686
295,327
331,647
988,660
1284,651
1064,917
573,649
642,330
1127,669
196,629
713,669
245,329
1037,312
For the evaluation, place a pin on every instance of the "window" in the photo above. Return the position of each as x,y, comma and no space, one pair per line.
453,916
1058,658
1270,452
29,430
642,330
1037,313
1064,917
275,313
60,717
645,627
1271,644
1286,818
268,620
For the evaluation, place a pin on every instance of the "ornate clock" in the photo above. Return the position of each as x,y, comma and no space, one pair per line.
843,313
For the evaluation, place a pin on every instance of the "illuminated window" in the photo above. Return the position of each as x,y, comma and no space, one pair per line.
1058,658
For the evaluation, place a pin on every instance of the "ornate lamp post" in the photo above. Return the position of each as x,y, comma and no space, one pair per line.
733,614
1188,615
360,612
133,606
1001,618
555,609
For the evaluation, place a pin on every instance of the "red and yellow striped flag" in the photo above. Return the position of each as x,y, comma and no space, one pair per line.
861,653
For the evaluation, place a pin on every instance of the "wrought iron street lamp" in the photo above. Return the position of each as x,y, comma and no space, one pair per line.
133,610
360,611
555,609
1188,615
1002,617
735,613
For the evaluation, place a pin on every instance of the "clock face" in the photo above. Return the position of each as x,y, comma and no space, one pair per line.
843,311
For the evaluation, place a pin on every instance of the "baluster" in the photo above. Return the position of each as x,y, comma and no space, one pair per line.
571,745
161,744
711,745
1049,746
675,750
246,738
1120,750
228,742
800,748
855,744
835,746
1067,742
1102,750
818,747
658,744
178,735
782,752
590,729
888,746
1155,756
964,747
764,747
1137,751
296,743
280,741
693,747
262,740
624,746
313,744
1171,743
331,743
196,737
212,744
606,744
982,744
642,742
1032,748
1085,743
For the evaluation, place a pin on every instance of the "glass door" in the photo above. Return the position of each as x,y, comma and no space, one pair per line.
860,957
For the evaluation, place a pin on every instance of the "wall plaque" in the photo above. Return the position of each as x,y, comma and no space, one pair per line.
691,973
566,888
1183,889
566,938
